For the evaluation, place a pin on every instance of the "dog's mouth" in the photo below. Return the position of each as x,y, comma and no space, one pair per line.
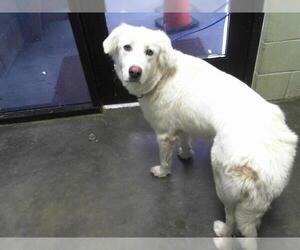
133,81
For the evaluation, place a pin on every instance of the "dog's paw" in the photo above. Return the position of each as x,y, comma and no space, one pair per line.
221,229
185,154
158,172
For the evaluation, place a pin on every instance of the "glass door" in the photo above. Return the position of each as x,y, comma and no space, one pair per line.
40,66
193,32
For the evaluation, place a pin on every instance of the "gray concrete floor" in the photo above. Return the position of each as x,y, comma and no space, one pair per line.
54,181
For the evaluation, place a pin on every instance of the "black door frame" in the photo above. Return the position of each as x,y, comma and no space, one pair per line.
243,41
90,30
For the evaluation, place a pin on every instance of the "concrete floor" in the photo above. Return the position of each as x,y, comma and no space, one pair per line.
56,181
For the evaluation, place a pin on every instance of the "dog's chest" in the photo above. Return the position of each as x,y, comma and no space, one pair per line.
160,115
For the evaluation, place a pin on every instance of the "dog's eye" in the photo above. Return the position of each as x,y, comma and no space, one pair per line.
127,47
149,52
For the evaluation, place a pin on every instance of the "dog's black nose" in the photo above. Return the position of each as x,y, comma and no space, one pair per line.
135,72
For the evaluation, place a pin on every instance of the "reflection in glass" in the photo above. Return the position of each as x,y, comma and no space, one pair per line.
39,62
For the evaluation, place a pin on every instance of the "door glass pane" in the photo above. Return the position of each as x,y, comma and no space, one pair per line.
183,28
39,62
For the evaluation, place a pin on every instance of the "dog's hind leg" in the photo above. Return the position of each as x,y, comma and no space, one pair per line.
225,229
166,145
248,243
185,151
246,220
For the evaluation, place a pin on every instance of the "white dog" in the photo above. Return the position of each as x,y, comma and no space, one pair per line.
181,95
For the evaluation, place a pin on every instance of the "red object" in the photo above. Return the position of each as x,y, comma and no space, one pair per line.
177,13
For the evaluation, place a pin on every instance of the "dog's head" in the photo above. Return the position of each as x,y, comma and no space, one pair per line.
141,56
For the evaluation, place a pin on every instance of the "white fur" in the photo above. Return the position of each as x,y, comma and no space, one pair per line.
183,95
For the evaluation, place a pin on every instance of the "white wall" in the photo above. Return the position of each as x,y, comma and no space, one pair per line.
277,70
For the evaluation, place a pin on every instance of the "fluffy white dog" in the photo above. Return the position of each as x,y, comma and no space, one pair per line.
181,95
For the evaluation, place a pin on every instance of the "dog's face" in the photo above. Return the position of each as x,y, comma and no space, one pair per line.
141,56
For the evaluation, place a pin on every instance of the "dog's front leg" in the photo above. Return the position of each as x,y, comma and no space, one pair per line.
166,144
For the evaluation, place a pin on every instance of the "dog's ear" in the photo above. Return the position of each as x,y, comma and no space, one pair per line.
166,55
110,44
